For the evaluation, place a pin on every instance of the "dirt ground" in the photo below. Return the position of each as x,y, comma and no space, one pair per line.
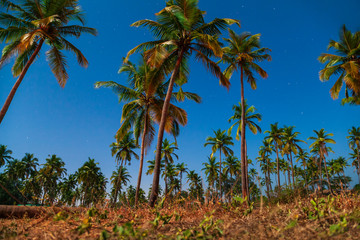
330,217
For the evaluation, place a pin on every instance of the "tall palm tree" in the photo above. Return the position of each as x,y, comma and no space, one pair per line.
243,54
211,171
30,163
119,178
248,119
5,155
92,183
291,145
304,157
167,155
320,141
49,176
345,64
30,24
123,150
265,151
220,142
144,97
181,168
276,137
180,30
195,185
354,144
355,157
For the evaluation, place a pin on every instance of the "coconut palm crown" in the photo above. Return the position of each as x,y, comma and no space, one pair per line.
345,64
26,26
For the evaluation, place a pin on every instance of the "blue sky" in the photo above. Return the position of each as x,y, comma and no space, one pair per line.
80,121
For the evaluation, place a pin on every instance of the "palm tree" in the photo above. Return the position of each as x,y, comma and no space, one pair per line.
304,157
145,100
320,141
31,24
243,54
211,171
181,168
337,166
92,183
275,137
151,166
123,149
49,175
195,185
354,144
345,65
220,142
167,155
355,157
30,162
5,155
291,146
249,122
180,30
119,178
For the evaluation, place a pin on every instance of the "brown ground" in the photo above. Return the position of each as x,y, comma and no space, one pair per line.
312,218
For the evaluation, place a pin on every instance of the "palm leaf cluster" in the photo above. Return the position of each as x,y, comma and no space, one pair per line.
345,64
32,23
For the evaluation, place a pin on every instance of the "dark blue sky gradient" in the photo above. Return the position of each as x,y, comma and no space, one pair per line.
79,121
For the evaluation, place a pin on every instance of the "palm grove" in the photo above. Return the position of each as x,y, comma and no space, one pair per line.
152,96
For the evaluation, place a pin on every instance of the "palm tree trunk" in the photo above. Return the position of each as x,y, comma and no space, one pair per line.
155,184
141,157
320,169
327,175
165,178
247,169
242,149
220,183
12,196
277,167
17,83
358,160
180,182
292,170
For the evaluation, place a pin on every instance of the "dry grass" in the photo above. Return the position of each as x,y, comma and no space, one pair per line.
307,218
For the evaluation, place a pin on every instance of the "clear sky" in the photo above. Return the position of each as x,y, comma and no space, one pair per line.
80,121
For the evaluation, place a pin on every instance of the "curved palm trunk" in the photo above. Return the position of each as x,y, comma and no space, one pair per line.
141,157
17,83
155,184
243,153
278,167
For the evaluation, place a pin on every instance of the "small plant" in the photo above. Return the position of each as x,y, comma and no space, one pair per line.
61,216
245,207
207,229
320,208
165,219
339,227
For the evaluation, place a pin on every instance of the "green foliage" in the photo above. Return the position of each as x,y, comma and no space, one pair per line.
242,205
339,227
320,208
207,229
